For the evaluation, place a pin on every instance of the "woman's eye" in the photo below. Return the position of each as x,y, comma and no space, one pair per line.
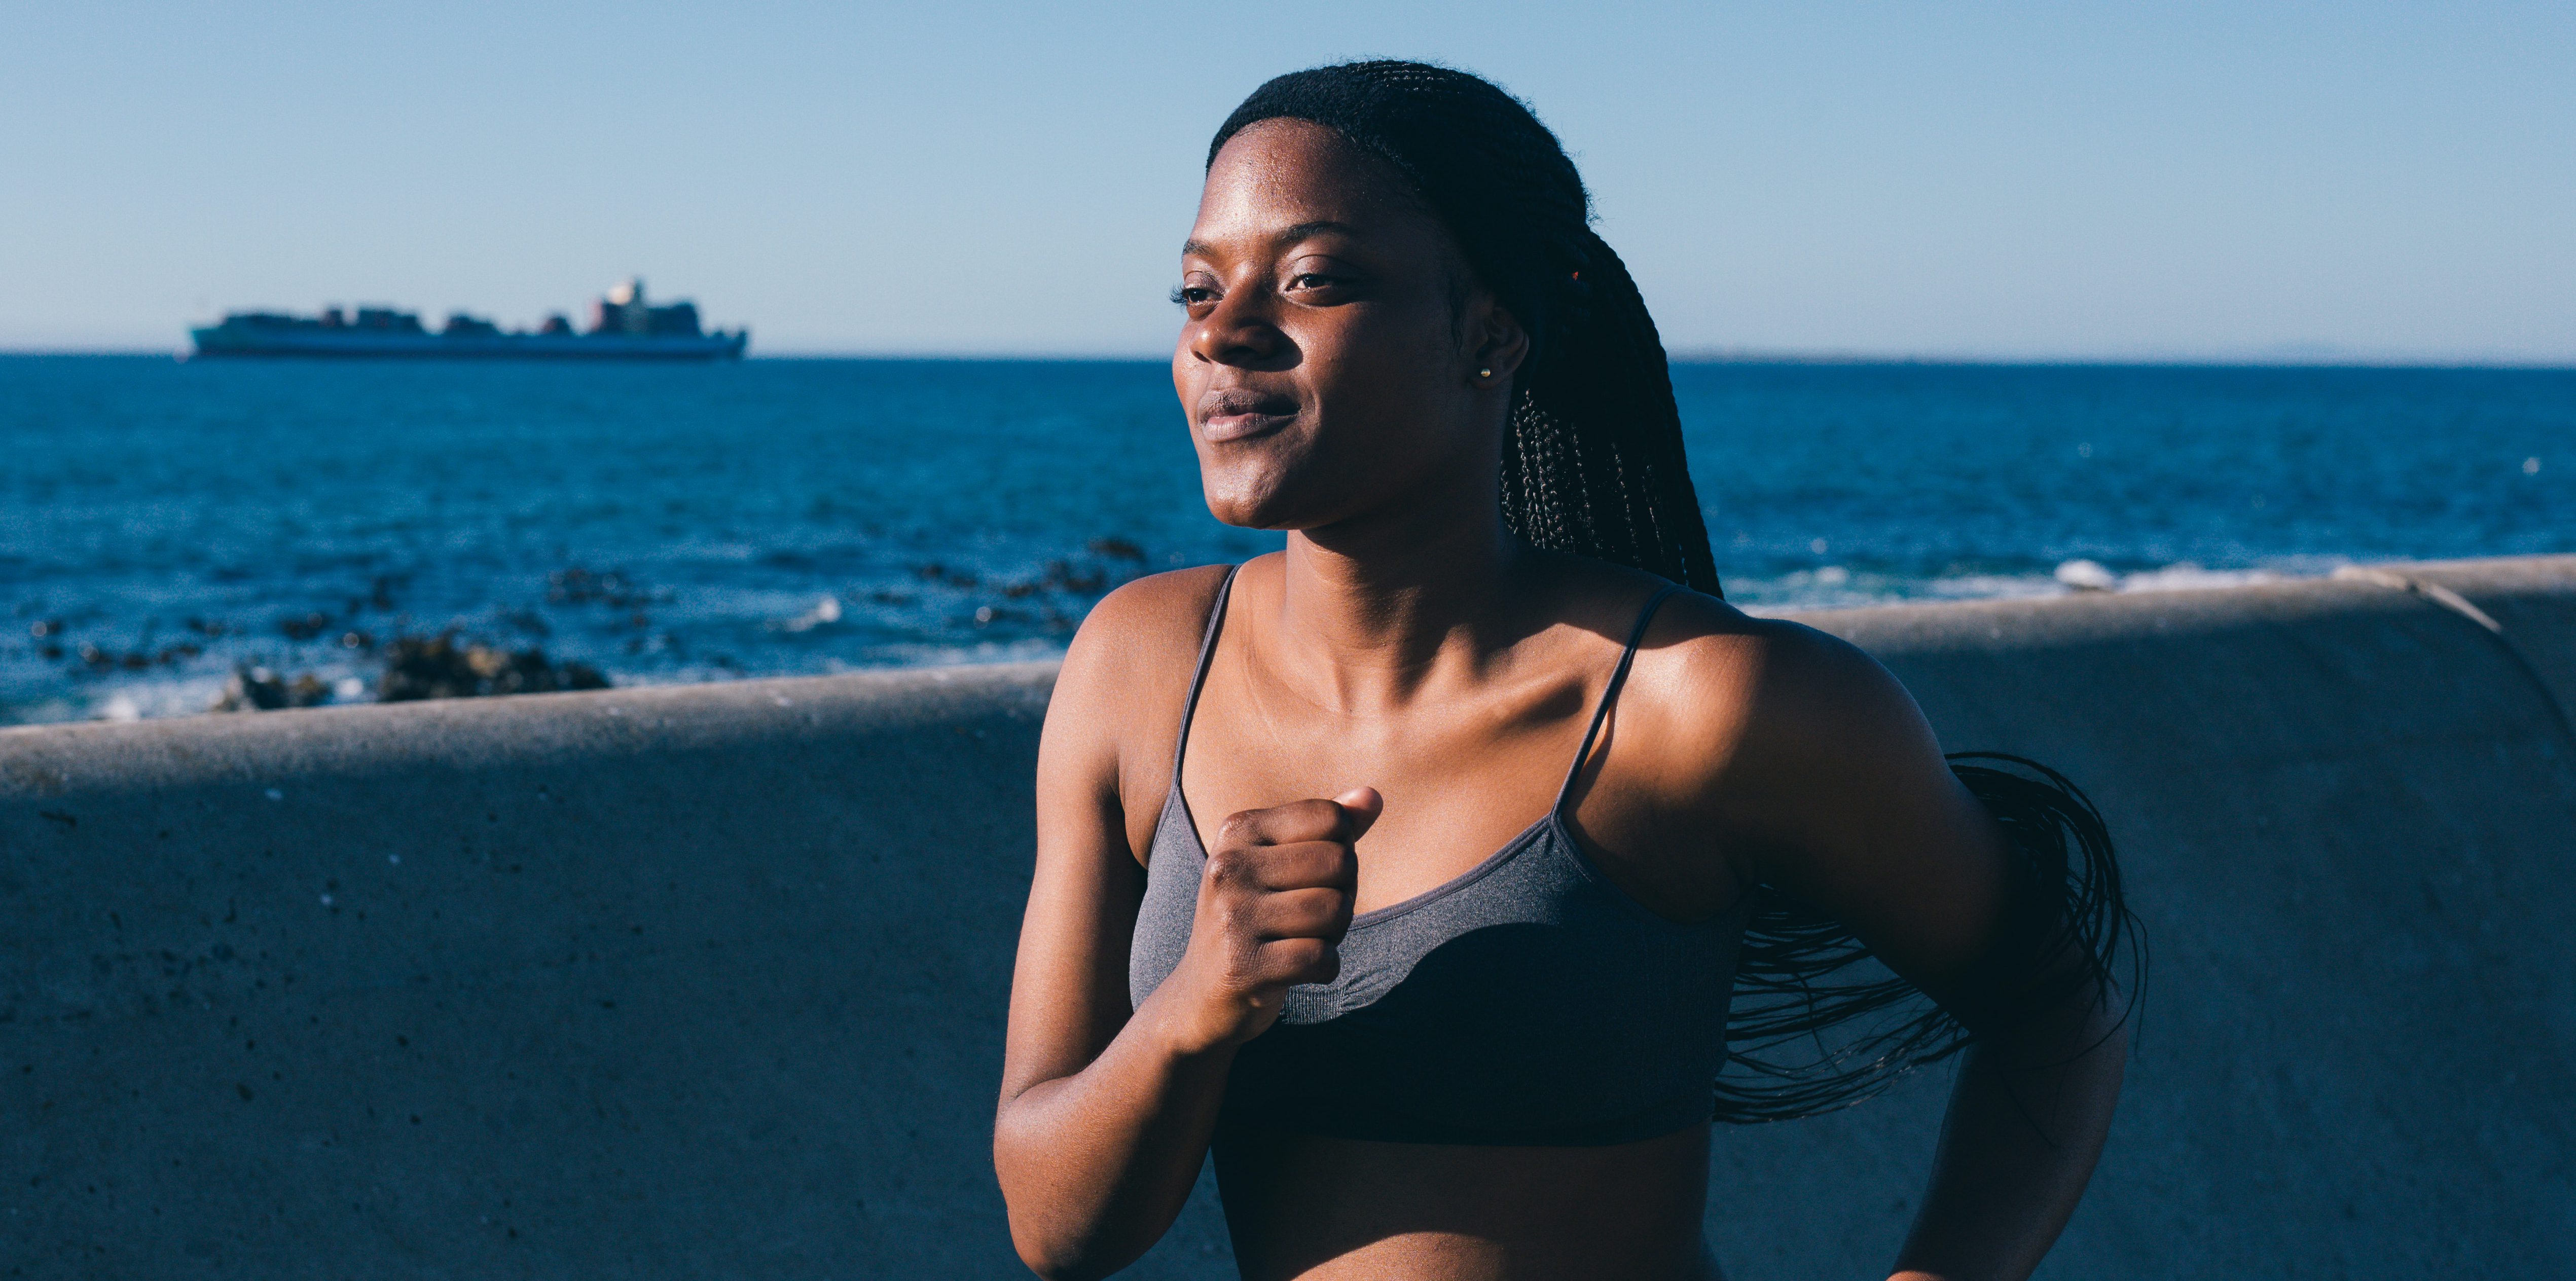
1311,280
1192,295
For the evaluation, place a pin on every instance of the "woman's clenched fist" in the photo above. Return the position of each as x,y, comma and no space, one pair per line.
1273,904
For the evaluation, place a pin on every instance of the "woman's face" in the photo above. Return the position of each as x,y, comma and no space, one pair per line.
1329,364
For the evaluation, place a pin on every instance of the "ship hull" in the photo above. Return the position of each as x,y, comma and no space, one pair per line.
228,341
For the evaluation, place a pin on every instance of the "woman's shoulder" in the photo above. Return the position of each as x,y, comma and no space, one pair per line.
1717,640
1728,686
1156,612
1116,709
1142,637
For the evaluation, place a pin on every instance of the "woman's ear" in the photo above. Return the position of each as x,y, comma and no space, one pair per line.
1496,344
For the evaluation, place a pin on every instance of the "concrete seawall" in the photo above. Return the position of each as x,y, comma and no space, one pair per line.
708,981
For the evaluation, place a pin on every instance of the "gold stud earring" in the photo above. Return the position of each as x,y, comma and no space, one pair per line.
1484,373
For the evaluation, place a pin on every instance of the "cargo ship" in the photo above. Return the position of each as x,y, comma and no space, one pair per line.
622,327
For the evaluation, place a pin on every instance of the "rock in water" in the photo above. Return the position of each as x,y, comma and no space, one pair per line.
257,689
440,666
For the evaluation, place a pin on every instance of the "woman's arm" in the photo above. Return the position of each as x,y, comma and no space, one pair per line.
1105,1118
1842,786
2026,1123
1103,1123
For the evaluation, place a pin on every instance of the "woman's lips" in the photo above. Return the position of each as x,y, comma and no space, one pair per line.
1238,414
1226,427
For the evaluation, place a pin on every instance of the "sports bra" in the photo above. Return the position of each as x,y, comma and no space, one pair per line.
1529,1001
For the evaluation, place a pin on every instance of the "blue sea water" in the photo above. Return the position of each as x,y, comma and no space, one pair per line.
162,522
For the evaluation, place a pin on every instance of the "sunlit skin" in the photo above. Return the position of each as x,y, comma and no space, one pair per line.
1395,696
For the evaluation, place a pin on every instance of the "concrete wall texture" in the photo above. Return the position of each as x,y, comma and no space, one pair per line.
709,982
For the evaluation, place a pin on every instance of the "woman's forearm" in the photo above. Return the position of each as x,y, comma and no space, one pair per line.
2027,1121
1095,1166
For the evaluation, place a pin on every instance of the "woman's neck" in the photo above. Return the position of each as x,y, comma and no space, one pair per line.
1370,609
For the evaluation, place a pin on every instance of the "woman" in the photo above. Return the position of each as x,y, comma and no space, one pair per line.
1409,870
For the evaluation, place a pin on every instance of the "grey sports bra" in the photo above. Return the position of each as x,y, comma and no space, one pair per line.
1528,1001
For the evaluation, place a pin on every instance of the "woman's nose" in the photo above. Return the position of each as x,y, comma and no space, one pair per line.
1238,332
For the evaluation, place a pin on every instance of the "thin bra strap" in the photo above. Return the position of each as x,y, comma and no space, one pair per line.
1207,651
1610,693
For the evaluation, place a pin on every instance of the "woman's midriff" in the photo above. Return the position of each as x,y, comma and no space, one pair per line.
1301,1206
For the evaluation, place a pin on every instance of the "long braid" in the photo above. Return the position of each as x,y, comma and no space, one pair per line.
1600,396
1594,466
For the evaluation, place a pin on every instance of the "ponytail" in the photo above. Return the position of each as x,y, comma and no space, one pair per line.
1593,466
1818,1025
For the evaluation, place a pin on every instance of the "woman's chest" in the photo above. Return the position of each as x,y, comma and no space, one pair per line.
1452,800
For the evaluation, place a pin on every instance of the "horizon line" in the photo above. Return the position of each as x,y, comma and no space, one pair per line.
1682,356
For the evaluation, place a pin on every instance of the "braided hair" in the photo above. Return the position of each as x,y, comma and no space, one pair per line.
1593,466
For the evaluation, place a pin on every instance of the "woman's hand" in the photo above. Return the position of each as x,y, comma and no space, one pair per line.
1273,904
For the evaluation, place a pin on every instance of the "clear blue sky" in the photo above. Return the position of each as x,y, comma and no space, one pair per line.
2067,180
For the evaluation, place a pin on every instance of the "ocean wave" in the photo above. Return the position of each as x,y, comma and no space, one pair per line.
1841,587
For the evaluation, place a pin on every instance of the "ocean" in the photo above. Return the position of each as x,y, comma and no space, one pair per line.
163,524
